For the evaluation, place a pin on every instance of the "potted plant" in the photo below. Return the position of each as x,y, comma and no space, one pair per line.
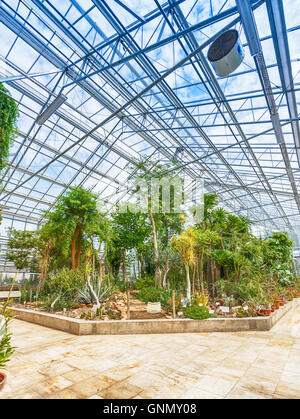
6,350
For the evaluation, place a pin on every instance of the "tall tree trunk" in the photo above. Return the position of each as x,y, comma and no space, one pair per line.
124,265
74,249
155,245
142,266
188,282
193,282
78,250
210,277
201,274
93,257
100,270
226,276
166,270
218,272
197,272
44,266
212,270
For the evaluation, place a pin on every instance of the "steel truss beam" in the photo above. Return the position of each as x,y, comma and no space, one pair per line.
168,119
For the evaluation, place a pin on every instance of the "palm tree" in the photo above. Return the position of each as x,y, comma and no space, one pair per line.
185,244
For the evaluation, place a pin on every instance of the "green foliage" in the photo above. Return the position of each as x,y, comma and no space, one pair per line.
93,315
69,220
200,299
6,349
196,312
63,284
277,249
130,229
27,293
145,282
8,117
286,277
113,314
223,257
243,291
23,249
86,296
152,295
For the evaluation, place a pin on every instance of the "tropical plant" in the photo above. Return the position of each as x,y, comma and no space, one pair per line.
152,294
200,299
92,292
145,282
185,244
196,312
130,229
69,221
61,288
8,118
23,249
6,349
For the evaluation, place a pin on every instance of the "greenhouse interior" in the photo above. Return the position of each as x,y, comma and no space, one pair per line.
149,201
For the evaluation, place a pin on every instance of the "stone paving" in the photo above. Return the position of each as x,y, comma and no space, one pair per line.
53,364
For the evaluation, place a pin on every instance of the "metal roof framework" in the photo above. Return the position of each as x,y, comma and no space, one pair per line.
138,83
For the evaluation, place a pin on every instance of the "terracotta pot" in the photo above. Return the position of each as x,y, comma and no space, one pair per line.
262,311
277,305
267,311
2,379
273,308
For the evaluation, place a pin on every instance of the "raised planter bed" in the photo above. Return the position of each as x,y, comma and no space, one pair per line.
124,327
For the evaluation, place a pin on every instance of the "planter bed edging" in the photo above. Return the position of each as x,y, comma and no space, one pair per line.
126,327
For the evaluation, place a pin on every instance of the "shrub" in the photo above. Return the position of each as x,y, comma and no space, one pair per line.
152,295
242,291
63,285
86,296
195,312
6,350
27,293
145,282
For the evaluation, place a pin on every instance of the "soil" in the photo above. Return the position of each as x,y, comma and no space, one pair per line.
114,308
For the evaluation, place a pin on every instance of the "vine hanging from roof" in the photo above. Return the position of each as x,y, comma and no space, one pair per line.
8,117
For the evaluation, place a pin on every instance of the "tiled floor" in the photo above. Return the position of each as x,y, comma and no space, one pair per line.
54,364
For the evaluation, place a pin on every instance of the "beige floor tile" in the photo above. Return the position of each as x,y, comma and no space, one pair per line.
51,385
216,385
290,377
95,396
76,375
64,394
92,385
257,385
196,393
54,364
287,390
144,379
55,368
263,374
121,390
240,393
